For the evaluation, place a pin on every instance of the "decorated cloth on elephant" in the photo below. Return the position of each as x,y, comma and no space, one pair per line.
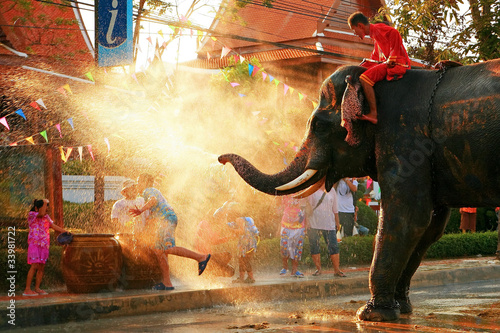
388,47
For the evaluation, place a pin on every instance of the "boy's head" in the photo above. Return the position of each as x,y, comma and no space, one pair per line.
359,23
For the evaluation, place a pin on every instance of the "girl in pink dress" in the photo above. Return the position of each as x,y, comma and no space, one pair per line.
38,244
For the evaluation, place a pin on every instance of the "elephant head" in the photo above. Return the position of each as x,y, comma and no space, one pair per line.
324,155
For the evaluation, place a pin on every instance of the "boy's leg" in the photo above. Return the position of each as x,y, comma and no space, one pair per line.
368,80
164,267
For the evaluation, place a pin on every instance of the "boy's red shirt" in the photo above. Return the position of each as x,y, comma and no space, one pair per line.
388,46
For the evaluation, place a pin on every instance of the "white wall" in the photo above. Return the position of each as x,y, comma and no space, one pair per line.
80,189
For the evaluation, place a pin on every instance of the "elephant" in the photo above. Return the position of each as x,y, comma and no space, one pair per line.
436,146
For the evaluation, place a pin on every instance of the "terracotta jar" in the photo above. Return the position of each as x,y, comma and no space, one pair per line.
140,265
92,263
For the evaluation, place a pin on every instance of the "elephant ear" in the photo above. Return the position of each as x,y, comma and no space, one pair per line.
352,108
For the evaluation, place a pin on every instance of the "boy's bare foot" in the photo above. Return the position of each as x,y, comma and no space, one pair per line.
368,118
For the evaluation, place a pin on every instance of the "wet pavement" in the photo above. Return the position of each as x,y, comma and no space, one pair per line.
275,304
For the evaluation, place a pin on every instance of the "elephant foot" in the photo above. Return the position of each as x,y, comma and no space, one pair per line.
405,306
370,312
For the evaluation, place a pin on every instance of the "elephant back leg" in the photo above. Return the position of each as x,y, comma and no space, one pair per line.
432,234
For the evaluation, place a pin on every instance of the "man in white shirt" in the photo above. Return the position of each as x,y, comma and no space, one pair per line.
323,220
122,219
345,189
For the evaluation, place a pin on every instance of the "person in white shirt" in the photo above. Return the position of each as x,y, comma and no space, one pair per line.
120,215
345,189
323,220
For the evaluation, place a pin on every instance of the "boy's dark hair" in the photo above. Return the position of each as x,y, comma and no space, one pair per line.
357,18
37,203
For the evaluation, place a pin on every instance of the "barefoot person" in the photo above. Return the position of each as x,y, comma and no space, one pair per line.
166,219
389,57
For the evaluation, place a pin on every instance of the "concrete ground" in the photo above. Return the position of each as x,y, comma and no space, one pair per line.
199,292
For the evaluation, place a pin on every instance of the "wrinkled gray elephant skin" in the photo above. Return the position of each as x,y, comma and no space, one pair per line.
434,147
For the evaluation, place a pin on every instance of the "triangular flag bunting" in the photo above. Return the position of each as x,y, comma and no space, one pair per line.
213,38
315,104
58,126
250,69
20,112
241,95
291,90
63,156
13,144
264,75
236,58
234,84
89,75
276,82
160,33
224,52
35,105
149,40
40,102
255,112
285,89
3,121
172,27
271,78
255,70
241,59
300,96
80,152
90,151
68,152
30,140
208,55
67,88
44,134
107,144
70,121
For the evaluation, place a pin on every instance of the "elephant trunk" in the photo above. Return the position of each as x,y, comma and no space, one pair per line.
269,183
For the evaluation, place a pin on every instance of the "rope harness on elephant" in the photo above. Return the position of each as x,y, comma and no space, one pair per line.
441,71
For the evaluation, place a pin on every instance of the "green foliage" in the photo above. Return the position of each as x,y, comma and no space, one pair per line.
461,245
367,217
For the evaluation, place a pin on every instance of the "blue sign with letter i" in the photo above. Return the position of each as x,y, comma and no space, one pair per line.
114,33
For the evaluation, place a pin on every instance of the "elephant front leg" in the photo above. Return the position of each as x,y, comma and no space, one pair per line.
400,229
431,235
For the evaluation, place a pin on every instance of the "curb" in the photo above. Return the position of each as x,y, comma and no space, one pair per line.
103,306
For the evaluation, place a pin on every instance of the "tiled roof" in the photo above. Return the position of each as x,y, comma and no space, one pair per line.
288,20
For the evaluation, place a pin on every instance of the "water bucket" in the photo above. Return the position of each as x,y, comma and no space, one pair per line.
92,263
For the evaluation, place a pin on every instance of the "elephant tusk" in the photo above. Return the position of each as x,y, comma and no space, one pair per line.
310,190
298,181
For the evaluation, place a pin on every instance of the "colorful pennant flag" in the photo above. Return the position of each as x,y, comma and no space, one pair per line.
40,102
20,112
224,52
68,152
67,88
44,134
90,151
63,156
149,40
3,121
62,91
30,140
35,105
58,126
70,121
300,96
285,89
314,104
80,152
89,75
271,78
160,33
264,75
107,144
234,84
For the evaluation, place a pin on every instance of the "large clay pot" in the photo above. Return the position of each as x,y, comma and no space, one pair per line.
92,263
140,264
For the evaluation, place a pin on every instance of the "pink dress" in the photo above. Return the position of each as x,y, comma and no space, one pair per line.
38,238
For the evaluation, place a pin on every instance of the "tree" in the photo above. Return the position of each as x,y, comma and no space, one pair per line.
437,29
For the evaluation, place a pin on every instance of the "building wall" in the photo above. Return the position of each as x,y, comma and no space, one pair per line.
80,189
